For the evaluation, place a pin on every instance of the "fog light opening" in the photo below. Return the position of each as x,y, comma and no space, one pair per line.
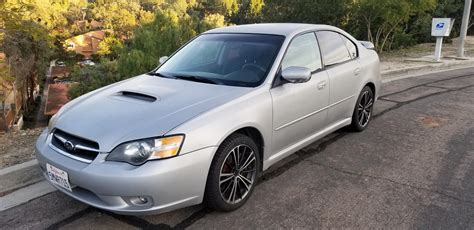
143,200
140,200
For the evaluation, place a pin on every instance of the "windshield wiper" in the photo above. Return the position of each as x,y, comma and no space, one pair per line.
184,77
196,79
160,75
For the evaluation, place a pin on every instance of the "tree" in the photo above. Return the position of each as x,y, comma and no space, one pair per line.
250,11
170,29
89,78
306,11
453,9
384,18
27,44
110,46
223,7
6,85
122,16
160,38
27,47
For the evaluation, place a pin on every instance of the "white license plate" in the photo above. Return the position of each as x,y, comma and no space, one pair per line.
58,177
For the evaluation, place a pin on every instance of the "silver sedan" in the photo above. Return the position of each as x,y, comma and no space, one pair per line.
204,125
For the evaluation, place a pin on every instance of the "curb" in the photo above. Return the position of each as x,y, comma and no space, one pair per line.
19,176
416,74
25,194
21,166
397,74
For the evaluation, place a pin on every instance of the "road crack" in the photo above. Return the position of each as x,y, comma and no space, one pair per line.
427,83
415,187
400,104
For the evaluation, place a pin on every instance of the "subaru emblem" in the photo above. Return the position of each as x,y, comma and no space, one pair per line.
69,146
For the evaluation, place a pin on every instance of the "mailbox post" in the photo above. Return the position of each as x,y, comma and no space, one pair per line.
440,28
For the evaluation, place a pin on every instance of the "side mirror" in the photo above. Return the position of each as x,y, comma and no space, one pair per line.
163,59
295,74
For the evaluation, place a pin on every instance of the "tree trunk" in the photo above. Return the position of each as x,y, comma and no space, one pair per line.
3,119
33,86
24,97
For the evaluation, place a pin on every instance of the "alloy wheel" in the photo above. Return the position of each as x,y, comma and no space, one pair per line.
238,173
364,108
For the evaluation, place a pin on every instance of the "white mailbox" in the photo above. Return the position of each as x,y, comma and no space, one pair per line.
440,27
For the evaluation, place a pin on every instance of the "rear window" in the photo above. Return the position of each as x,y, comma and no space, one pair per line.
333,48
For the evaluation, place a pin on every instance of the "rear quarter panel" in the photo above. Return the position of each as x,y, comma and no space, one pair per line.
370,68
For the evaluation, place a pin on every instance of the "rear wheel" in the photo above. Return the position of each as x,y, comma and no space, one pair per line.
363,109
233,173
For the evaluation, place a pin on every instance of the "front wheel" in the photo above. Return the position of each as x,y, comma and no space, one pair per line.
363,109
233,173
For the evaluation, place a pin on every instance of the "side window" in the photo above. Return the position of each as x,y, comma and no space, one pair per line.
303,52
333,48
350,46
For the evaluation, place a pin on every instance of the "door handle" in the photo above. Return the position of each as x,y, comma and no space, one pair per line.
321,85
357,72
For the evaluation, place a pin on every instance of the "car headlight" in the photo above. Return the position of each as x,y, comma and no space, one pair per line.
138,152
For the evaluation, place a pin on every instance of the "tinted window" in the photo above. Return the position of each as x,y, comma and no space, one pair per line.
350,46
333,48
304,52
228,59
209,52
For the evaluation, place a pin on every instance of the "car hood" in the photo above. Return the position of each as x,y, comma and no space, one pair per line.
141,107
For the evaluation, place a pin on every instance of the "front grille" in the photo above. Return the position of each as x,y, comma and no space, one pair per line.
75,146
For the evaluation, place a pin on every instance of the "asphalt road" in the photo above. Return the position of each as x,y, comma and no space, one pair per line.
412,168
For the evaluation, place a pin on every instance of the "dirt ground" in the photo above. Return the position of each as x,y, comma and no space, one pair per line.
17,146
397,59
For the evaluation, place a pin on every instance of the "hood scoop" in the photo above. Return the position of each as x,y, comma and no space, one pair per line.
138,96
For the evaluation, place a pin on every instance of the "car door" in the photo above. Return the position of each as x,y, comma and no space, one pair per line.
299,109
340,61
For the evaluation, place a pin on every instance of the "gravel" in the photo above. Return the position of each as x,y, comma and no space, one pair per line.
17,146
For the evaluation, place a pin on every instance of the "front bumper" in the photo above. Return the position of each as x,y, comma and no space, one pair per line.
167,184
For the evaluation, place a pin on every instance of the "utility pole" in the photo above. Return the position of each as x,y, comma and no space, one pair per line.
464,25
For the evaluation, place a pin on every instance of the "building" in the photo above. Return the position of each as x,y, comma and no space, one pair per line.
56,98
87,44
57,87
85,25
59,72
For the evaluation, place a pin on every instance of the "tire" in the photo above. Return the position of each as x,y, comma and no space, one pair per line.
363,110
226,187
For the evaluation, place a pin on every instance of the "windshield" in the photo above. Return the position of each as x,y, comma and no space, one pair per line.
227,59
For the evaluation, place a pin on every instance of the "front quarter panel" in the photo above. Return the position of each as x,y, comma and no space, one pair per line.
213,127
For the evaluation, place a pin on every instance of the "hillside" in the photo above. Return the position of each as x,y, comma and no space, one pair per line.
17,146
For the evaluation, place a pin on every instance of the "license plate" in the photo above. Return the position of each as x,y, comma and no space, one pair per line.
58,177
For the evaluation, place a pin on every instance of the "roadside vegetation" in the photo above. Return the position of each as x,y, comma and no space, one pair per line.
32,32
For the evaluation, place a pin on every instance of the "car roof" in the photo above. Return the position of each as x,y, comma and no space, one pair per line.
285,29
